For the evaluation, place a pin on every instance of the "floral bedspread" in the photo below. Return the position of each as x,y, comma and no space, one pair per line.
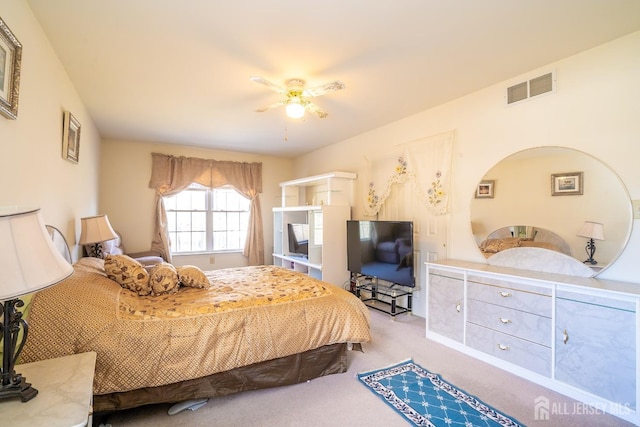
231,288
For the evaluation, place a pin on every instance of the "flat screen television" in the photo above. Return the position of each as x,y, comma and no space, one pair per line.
381,249
298,239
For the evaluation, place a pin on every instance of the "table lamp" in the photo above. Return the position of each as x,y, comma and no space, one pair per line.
592,231
94,231
29,262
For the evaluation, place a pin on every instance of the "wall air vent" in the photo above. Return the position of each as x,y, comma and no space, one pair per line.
534,87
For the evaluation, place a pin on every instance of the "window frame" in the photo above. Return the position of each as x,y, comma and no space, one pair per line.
210,211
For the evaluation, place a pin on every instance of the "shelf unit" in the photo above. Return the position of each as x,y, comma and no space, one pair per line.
333,188
323,202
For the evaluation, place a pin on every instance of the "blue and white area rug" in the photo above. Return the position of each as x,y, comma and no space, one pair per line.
425,399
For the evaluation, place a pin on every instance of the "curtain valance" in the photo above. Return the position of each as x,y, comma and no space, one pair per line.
170,175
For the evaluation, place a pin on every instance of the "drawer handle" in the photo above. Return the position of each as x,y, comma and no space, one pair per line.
565,336
458,307
505,294
503,347
504,321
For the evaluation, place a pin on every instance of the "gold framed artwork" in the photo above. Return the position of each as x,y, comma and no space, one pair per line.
485,189
71,138
566,184
10,59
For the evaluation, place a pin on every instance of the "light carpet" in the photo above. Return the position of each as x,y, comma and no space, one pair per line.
341,400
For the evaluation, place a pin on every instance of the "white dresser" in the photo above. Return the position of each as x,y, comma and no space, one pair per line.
575,335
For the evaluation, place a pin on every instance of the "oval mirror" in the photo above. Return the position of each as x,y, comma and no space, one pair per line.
553,191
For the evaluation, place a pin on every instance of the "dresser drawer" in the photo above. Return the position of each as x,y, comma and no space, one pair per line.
526,354
512,297
521,324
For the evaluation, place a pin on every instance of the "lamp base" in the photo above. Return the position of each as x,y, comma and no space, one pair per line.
590,249
13,384
95,250
21,388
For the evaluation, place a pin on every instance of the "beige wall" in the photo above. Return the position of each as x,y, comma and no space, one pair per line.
595,110
32,170
129,202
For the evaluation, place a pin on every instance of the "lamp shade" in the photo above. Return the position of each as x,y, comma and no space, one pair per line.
592,230
95,229
29,261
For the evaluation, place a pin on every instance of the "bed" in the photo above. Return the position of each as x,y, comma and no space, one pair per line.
254,327
531,237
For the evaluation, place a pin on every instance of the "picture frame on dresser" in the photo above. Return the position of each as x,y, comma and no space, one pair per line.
10,62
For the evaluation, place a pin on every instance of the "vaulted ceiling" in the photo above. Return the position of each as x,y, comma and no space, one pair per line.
179,71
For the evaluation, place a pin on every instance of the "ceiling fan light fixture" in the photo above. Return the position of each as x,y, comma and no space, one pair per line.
297,98
295,110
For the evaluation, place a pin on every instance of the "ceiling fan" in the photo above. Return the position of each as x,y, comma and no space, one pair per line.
296,97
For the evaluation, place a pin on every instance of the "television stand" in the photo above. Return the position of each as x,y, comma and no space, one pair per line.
383,297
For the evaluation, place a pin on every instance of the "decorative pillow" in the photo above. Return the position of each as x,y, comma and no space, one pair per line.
193,277
128,273
163,279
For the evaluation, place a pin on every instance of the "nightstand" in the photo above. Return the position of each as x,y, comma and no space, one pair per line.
65,393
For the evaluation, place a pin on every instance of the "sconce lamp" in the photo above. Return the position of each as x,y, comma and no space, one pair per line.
29,262
94,231
592,231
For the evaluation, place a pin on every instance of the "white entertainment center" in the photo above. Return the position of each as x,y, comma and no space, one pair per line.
324,203
575,335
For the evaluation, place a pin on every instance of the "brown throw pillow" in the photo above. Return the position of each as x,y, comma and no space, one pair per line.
193,277
163,279
128,273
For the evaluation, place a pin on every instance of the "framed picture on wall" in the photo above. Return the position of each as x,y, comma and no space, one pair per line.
566,184
71,138
485,189
10,58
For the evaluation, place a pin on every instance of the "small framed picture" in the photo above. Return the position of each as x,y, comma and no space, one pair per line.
71,138
485,189
566,184
10,58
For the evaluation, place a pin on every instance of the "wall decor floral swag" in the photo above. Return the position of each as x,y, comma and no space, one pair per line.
425,163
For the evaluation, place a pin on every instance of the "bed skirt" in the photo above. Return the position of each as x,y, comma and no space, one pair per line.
297,368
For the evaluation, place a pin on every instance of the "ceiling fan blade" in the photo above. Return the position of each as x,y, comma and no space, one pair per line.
315,110
272,106
267,83
323,89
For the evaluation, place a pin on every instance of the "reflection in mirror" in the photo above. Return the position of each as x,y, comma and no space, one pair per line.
521,236
524,204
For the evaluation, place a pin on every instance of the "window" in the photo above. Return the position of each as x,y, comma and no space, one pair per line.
205,220
365,230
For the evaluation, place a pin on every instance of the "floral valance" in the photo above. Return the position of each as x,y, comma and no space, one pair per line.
425,163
